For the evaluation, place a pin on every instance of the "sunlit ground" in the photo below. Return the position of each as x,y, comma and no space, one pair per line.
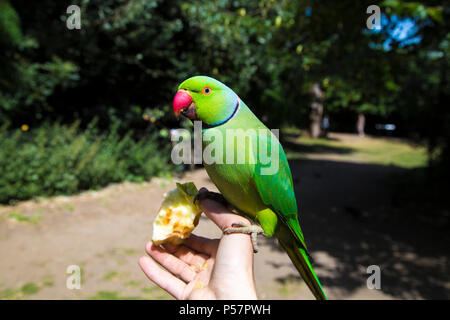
368,149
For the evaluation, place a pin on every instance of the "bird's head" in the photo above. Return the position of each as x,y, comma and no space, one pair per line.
206,99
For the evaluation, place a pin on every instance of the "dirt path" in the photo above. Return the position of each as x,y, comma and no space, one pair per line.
346,215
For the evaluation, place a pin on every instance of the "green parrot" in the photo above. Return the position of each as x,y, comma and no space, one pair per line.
267,198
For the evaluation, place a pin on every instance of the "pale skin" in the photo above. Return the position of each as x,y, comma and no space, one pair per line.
204,268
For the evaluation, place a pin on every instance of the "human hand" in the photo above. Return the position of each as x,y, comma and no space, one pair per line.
204,268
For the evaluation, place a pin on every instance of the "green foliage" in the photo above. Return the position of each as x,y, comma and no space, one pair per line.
9,24
58,159
38,82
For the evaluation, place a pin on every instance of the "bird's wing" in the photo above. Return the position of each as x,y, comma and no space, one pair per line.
277,190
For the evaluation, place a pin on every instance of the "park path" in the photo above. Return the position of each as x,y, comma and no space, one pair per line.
344,210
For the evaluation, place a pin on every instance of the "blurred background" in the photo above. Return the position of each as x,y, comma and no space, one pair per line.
85,120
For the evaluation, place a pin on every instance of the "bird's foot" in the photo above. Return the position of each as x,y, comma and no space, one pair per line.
204,193
253,230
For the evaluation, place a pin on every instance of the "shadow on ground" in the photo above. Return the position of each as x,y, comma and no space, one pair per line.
347,214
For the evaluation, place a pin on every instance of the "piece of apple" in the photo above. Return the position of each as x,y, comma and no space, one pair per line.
178,215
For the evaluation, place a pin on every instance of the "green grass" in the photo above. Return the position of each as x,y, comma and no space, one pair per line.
284,291
111,275
112,295
28,289
384,151
20,217
114,275
8,294
130,252
155,293
288,285
48,283
132,283
147,290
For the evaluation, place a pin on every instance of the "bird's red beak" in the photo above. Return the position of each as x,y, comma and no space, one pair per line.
181,101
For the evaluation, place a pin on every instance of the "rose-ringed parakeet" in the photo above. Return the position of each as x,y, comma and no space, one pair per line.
266,198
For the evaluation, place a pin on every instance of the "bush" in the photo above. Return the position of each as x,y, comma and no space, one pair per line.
60,159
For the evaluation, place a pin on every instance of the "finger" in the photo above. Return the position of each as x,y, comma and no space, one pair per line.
162,278
201,244
221,215
188,255
174,265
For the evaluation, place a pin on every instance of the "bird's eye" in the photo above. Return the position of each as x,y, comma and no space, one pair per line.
207,90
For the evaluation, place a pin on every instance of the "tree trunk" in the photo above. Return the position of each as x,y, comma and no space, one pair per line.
316,112
360,124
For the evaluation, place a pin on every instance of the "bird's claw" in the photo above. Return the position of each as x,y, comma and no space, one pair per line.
204,193
253,230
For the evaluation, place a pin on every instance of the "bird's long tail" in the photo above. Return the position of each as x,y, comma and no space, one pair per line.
300,259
